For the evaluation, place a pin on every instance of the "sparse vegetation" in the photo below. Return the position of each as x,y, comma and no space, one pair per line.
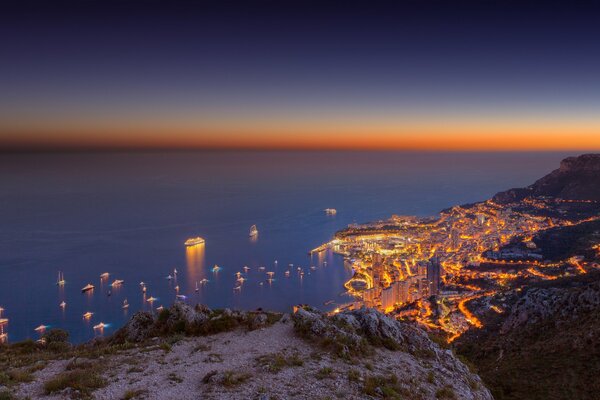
445,392
82,380
324,373
232,378
277,361
133,394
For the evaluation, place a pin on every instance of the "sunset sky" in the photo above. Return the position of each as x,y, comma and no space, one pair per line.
299,74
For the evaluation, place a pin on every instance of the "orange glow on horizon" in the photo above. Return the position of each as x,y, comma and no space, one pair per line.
434,135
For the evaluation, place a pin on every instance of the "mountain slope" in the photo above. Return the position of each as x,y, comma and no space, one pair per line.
577,178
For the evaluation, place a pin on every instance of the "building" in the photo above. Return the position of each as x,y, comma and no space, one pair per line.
434,275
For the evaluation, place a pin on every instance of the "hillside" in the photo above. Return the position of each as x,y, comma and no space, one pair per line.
545,346
577,178
196,353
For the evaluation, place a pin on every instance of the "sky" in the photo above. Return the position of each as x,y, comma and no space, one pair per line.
412,75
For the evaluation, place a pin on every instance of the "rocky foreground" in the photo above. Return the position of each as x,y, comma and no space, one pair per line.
196,353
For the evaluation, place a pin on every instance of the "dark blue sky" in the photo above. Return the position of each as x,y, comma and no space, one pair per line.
204,67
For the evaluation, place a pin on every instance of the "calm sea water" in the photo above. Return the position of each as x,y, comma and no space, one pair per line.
129,214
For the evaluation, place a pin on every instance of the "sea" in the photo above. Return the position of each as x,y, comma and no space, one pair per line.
129,214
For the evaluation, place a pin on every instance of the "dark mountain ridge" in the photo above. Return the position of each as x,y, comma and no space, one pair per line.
577,178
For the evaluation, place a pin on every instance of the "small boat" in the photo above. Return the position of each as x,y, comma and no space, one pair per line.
3,321
270,274
287,273
169,277
291,265
159,308
151,299
262,283
87,288
144,289
62,305
100,326
3,337
194,241
61,279
276,261
246,269
216,268
117,282
203,281
142,283
299,269
88,315
174,271
197,288
41,328
241,279
313,267
181,297
253,231
104,275
239,287
109,293
177,288
261,268
328,302
325,263
330,211
125,305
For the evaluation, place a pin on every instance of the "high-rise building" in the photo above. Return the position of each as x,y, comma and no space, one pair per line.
434,272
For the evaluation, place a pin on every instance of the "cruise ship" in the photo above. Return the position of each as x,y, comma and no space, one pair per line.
194,241
253,231
87,288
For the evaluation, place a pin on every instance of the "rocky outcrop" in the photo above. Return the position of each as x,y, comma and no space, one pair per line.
353,333
560,304
577,178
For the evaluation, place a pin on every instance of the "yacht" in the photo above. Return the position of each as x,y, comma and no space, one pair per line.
181,297
41,328
117,282
159,308
270,274
100,326
194,241
87,288
253,231
3,321
104,275
151,299
88,315
61,279
216,268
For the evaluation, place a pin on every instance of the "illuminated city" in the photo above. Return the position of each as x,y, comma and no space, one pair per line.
430,269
